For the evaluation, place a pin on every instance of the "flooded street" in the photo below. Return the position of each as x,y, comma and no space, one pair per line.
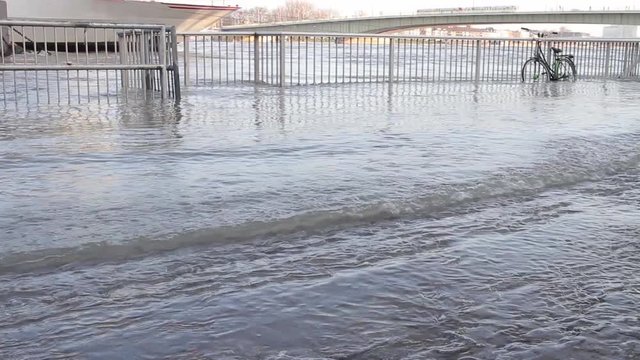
421,221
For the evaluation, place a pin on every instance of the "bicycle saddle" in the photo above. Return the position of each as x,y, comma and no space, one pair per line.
556,50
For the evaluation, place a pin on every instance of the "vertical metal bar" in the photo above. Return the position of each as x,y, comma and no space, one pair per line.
35,55
357,58
407,64
625,59
164,85
196,59
456,56
271,51
186,59
211,59
66,45
13,47
321,60
478,60
384,58
86,61
241,58
46,60
430,65
55,41
281,38
335,41
470,57
299,60
2,51
370,60
449,58
306,60
106,55
123,60
177,92
256,58
391,59
24,52
291,51
291,41
440,57
226,59
422,60
418,60
607,60
235,65
378,59
144,54
402,64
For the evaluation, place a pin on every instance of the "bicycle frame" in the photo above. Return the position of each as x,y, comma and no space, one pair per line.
539,55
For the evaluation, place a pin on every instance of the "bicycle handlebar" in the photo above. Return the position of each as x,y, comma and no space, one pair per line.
539,33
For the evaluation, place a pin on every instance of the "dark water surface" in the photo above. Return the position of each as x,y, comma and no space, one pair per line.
439,221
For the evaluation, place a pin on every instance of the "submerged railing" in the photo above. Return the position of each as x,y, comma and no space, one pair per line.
75,63
305,58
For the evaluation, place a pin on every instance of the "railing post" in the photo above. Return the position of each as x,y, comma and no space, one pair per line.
391,59
162,52
607,59
625,61
636,59
550,54
177,93
186,59
123,49
478,59
282,60
256,58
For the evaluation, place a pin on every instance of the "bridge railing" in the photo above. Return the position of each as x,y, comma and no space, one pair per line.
286,59
46,62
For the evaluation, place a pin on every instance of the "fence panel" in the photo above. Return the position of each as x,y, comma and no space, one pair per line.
287,59
63,62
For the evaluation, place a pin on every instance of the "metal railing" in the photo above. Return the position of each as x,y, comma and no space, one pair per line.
74,63
305,58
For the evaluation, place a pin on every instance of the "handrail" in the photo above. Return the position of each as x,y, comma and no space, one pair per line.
387,36
80,24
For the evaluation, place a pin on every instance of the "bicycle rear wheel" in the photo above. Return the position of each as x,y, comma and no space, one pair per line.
534,71
566,70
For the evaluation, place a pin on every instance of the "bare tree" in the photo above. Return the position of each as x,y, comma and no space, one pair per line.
292,10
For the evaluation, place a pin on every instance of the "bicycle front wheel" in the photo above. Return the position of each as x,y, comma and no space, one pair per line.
566,70
534,71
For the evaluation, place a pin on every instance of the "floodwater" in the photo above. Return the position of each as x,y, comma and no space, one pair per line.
430,221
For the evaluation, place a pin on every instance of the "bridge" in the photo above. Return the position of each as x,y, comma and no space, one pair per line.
384,24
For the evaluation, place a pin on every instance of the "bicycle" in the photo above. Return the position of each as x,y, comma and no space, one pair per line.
537,68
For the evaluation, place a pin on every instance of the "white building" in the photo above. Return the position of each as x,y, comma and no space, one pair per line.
620,32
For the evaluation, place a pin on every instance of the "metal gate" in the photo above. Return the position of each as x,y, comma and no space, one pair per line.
75,63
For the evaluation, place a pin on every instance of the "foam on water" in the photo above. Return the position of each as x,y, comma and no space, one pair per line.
579,160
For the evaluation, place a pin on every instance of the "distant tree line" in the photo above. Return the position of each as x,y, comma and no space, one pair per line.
292,10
